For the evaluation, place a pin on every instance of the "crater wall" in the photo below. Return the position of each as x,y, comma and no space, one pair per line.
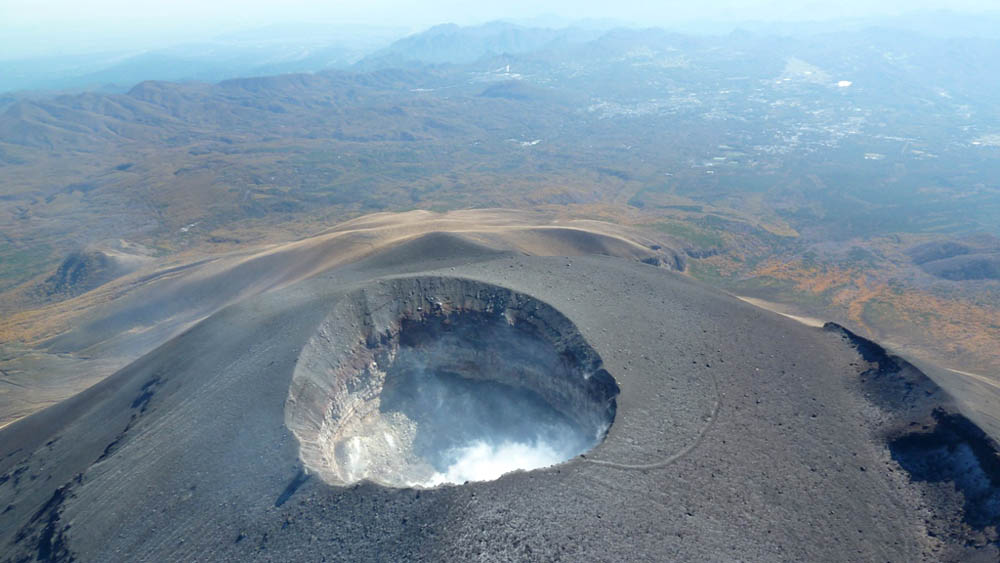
421,381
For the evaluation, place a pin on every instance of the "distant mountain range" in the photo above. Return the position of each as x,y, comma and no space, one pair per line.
831,136
452,44
289,48
806,166
275,49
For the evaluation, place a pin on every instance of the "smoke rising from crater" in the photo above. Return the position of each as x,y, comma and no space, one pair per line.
451,381
482,461
470,429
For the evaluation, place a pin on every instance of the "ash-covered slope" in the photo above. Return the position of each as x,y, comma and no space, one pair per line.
737,434
85,339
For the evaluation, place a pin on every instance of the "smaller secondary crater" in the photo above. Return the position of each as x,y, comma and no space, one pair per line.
425,381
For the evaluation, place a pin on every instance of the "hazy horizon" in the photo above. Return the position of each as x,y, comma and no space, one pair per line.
63,28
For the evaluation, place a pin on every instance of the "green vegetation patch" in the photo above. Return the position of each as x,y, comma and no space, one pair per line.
690,233
18,265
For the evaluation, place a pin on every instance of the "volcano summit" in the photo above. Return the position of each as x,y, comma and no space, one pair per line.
444,399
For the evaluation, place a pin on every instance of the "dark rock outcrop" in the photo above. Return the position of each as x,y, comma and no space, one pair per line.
80,272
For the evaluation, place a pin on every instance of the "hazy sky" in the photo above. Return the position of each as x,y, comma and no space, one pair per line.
61,25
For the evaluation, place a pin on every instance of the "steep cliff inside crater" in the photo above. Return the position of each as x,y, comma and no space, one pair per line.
425,381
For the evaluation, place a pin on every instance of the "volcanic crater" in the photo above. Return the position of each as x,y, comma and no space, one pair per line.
325,420
428,381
